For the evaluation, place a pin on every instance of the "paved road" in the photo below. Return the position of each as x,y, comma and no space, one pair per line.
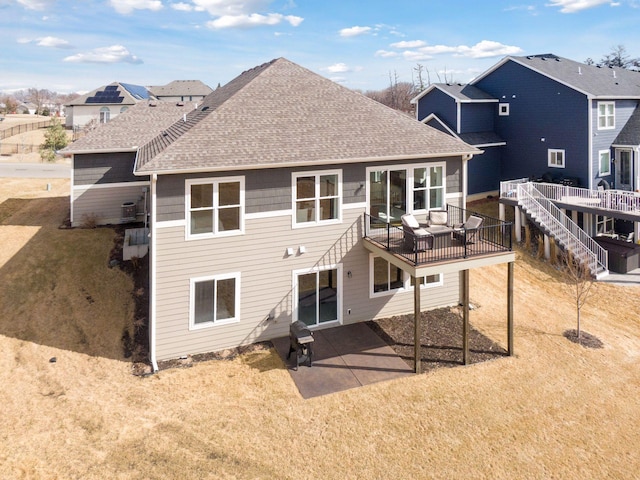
35,170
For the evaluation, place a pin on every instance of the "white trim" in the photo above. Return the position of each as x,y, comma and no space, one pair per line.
458,117
215,181
271,214
354,206
590,136
506,107
409,169
602,173
339,287
551,151
153,272
316,198
97,186
171,224
406,280
215,278
606,116
433,116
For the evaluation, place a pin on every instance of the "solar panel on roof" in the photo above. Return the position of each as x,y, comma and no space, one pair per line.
138,92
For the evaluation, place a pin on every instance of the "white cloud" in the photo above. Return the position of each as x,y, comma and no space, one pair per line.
572,6
483,49
221,8
36,4
127,6
409,44
181,6
112,54
53,42
386,54
354,31
338,68
253,20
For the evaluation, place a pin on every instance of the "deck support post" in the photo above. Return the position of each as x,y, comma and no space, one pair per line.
510,270
518,220
547,247
465,317
501,211
416,319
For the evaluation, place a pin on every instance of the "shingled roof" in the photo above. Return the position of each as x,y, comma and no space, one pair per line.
603,82
182,88
137,126
281,114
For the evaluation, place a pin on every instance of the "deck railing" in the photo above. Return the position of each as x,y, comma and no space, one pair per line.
493,236
569,235
613,200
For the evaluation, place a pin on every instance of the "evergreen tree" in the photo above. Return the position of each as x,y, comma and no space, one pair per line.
54,139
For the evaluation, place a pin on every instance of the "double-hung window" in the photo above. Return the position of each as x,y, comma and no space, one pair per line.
215,300
215,207
316,197
606,115
556,158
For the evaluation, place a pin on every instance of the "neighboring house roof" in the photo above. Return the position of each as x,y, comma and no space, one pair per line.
113,94
181,88
476,139
463,93
131,129
594,81
281,114
482,139
630,133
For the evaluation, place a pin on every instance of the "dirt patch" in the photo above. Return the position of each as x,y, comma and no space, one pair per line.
585,339
440,340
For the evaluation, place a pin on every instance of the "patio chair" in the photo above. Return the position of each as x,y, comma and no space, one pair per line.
468,230
415,238
437,217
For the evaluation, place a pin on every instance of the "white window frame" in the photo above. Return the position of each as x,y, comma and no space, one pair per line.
104,115
215,181
552,158
410,190
503,109
192,300
316,199
389,291
601,172
339,292
406,282
608,117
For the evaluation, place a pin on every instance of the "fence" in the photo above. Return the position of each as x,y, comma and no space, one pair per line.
23,127
17,148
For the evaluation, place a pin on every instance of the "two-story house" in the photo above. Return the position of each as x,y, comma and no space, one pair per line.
547,117
278,199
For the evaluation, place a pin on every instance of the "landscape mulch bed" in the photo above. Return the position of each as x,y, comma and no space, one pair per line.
441,339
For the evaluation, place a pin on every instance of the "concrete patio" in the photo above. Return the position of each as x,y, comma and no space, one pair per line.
344,357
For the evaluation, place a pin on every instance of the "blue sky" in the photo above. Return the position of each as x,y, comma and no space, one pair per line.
76,46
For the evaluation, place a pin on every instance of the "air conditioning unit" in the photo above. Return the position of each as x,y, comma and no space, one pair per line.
128,212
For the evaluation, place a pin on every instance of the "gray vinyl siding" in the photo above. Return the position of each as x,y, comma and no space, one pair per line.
104,204
266,280
269,190
103,168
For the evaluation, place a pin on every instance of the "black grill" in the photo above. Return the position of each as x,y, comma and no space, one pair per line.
300,343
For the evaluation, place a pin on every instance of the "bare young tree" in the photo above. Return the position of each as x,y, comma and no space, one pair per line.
580,282
618,57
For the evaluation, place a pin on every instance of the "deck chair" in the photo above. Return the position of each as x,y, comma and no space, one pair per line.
468,230
415,238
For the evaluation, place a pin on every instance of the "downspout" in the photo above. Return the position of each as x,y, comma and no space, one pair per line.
152,276
465,178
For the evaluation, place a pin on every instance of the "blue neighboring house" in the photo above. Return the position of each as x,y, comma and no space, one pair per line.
543,116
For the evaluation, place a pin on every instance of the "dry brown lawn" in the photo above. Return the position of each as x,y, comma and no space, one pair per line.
555,410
